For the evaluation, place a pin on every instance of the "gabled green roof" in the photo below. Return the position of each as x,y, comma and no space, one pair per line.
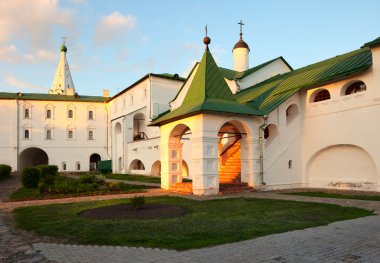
208,92
372,43
51,97
232,74
269,94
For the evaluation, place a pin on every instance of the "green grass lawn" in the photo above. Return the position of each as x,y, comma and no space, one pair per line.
34,193
341,196
207,223
139,178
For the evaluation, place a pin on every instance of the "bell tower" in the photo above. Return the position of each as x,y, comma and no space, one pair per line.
241,52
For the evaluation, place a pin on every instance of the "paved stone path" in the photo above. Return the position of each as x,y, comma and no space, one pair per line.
347,241
355,240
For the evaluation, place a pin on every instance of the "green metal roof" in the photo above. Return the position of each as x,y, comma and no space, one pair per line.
232,74
269,94
208,92
372,43
52,97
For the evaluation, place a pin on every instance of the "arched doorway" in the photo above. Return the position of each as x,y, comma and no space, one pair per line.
32,157
344,167
94,161
156,168
185,169
139,127
137,167
179,136
233,172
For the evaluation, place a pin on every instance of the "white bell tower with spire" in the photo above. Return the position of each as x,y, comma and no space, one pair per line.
241,52
63,83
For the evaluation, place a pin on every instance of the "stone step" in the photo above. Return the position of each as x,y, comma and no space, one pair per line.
182,187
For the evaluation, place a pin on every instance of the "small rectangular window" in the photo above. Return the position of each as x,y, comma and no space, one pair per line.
48,114
90,115
26,134
26,113
48,135
64,167
90,135
70,134
78,166
70,114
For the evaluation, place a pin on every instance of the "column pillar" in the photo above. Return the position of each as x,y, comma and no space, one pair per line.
205,165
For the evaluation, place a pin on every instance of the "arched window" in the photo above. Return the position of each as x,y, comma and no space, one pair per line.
26,114
291,113
48,114
70,114
356,87
322,95
90,115
270,133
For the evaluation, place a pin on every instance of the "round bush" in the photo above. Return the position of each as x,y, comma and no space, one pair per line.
5,171
30,177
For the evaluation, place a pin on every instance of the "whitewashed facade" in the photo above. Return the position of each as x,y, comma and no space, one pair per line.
332,143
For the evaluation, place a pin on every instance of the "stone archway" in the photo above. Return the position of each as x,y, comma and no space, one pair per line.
33,156
178,135
233,157
156,168
94,161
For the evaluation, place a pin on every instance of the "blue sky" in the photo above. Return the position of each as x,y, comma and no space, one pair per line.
111,44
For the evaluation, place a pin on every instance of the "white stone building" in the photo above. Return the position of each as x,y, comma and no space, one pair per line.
265,127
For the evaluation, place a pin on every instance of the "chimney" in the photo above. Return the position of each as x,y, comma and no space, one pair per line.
70,92
106,93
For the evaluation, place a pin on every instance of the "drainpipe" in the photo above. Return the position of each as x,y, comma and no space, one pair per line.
18,133
261,146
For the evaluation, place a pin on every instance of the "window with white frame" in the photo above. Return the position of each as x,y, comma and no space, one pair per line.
48,134
71,111
70,114
90,115
48,114
90,134
64,166
70,134
78,166
27,111
27,134
49,111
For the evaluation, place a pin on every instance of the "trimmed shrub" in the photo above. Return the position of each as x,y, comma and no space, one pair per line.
30,177
137,202
48,173
5,171
48,170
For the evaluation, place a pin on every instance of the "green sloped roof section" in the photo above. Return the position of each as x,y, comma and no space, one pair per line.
52,97
372,43
232,74
269,94
208,92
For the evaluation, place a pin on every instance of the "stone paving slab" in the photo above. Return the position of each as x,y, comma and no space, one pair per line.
355,240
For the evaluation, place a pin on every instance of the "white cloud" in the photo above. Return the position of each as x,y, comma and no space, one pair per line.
113,27
32,22
10,54
23,85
